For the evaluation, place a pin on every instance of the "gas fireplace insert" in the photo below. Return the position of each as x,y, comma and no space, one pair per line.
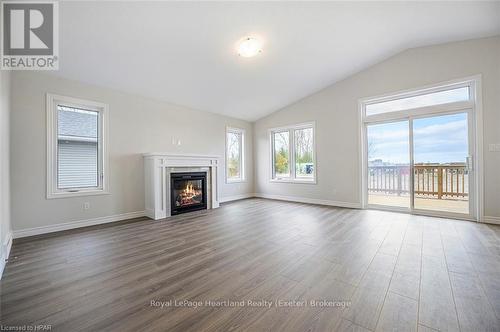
188,192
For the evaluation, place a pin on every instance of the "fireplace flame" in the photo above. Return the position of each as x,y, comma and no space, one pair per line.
189,188
191,194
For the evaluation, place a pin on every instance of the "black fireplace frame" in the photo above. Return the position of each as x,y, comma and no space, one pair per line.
186,177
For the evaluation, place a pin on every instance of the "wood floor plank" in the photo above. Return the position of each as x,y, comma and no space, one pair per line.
366,305
436,305
348,326
398,314
406,278
474,310
491,286
423,328
377,266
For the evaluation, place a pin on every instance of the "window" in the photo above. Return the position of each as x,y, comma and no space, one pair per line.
304,163
76,147
293,155
234,155
281,160
446,96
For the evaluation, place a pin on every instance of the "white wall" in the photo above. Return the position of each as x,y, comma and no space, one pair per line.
335,110
139,125
136,125
5,224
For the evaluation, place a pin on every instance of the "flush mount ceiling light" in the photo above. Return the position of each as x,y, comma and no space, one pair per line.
249,47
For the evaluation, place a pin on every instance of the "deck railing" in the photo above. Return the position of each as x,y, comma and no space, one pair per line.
436,181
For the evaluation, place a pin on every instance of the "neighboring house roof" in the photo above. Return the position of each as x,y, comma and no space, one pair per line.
77,124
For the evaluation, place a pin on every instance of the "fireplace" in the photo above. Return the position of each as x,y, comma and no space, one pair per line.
158,171
188,192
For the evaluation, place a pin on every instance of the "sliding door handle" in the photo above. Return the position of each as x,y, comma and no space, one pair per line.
469,163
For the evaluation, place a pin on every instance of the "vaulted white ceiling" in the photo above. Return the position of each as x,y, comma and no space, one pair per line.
184,52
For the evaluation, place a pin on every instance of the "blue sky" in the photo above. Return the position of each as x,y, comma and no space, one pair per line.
441,139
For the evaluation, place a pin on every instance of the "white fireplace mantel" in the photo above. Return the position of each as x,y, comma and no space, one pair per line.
157,170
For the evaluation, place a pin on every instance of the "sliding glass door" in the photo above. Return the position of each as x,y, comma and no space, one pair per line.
418,151
389,177
440,163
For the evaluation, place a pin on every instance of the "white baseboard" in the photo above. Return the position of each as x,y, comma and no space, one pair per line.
491,220
76,224
293,199
5,252
236,197
2,264
310,200
103,220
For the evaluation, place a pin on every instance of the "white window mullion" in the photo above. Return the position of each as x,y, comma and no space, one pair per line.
100,153
76,147
235,136
291,142
242,156
307,176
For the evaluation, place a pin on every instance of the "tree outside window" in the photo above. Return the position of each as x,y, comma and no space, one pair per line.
234,154
304,162
293,153
281,154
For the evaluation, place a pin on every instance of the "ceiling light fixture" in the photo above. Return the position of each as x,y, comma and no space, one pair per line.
249,47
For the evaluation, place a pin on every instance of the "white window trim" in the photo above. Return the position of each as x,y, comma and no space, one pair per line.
291,149
474,103
242,177
51,104
432,109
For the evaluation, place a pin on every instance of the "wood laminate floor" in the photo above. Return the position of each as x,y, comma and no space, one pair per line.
259,265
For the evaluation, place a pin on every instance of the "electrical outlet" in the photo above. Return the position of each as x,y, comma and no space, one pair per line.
86,205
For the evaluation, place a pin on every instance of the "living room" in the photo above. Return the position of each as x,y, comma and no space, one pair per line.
256,166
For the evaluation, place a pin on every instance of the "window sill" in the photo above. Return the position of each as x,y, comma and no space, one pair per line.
299,181
228,181
67,194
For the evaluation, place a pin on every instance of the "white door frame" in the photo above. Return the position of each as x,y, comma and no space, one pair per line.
473,107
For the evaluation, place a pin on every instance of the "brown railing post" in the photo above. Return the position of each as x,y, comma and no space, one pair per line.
440,182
